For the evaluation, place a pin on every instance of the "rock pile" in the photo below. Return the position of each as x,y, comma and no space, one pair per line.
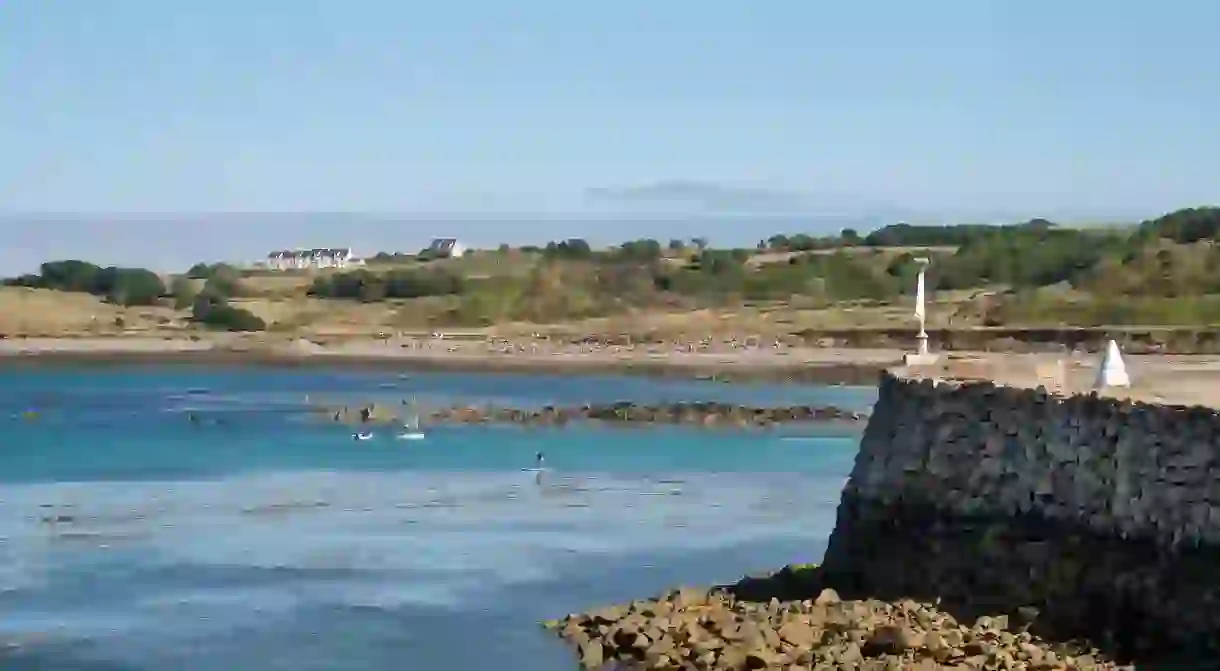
696,413
670,413
715,630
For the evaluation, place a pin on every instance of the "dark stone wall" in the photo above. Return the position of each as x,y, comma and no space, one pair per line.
1134,597
1090,517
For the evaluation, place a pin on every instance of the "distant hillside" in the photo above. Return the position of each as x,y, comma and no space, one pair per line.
1160,272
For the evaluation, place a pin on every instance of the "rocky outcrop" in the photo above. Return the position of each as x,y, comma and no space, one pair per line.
716,630
700,414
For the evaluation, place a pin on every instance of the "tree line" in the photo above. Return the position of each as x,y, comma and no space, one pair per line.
209,305
120,286
1170,257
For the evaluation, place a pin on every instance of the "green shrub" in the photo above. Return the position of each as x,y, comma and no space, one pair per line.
121,286
215,312
366,286
183,291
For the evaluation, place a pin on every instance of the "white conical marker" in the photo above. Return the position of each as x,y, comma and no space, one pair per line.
1113,371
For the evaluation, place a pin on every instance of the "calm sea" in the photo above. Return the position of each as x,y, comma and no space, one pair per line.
261,538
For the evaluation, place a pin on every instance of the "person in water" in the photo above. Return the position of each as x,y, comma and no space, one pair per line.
539,460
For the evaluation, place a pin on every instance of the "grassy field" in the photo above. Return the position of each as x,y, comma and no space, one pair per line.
280,299
55,313
1030,276
281,302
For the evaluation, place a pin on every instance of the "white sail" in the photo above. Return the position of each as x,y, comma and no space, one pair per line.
1113,371
410,425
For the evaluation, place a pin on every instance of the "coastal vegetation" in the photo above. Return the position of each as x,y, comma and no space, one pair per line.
1160,272
369,286
209,305
120,286
213,310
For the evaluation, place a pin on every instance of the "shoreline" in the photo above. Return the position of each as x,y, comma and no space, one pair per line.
845,374
813,365
1163,378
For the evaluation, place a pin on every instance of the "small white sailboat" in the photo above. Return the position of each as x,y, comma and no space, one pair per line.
410,427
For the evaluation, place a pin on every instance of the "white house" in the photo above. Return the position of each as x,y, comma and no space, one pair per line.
300,259
335,257
446,248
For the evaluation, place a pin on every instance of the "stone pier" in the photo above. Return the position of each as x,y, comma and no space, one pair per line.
983,527
1100,515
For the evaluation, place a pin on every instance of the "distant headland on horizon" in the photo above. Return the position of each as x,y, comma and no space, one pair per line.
170,241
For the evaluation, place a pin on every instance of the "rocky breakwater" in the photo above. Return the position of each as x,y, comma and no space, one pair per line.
734,628
1097,516
696,413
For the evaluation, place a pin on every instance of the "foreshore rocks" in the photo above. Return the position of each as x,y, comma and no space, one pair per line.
728,629
983,527
696,413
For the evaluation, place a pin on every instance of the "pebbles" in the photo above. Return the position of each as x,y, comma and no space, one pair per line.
716,630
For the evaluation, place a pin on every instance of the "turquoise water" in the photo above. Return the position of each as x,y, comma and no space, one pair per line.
261,538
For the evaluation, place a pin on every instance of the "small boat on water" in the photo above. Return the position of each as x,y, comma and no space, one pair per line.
363,435
410,426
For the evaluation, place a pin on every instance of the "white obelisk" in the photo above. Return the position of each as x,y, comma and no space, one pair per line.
1113,372
921,312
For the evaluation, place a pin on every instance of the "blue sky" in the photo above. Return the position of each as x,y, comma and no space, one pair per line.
959,109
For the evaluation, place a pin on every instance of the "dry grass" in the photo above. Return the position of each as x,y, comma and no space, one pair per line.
280,299
41,312
288,310
314,316
773,321
282,284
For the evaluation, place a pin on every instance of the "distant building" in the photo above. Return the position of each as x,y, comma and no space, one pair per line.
446,248
300,259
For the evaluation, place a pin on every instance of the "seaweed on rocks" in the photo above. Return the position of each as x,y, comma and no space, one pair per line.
710,414
792,620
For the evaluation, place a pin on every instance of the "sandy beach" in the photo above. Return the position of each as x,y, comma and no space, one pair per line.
1182,379
813,364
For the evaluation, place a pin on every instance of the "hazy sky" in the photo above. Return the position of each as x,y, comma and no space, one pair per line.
956,107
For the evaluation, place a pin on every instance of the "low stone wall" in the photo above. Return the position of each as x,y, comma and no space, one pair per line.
1013,339
1097,517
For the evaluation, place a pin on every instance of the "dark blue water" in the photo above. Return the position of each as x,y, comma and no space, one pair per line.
262,538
